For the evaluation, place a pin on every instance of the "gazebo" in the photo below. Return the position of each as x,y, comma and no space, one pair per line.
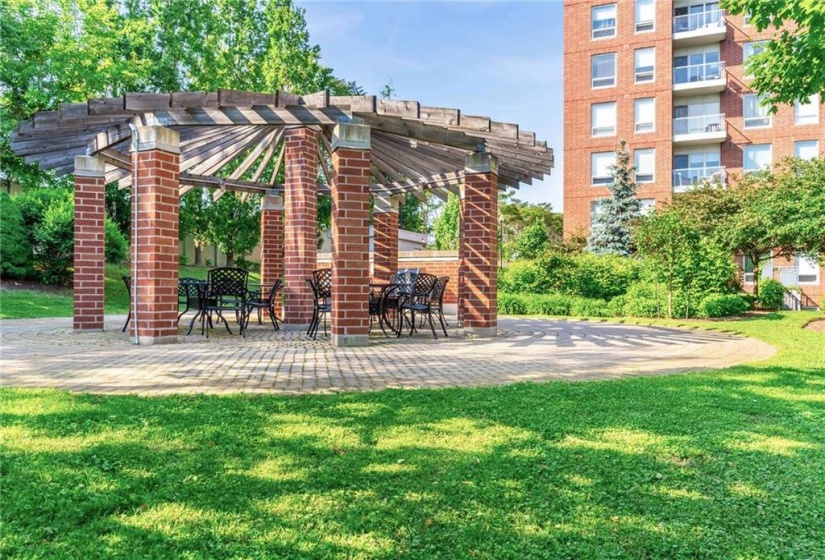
162,144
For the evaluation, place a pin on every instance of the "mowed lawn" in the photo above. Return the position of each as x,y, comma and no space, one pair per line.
18,304
722,464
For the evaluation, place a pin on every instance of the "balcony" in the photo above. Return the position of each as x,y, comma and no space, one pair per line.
685,179
699,79
699,29
702,129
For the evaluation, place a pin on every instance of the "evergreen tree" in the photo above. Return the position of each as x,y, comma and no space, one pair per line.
612,229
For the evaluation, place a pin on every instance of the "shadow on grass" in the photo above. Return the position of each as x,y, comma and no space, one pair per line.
708,465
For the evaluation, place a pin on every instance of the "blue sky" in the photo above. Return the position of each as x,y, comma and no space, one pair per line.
500,59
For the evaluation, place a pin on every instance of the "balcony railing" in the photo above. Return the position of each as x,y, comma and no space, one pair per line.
699,124
698,72
683,179
701,20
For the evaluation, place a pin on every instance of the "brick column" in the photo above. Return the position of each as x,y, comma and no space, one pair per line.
89,219
272,242
350,235
385,238
300,223
155,205
478,274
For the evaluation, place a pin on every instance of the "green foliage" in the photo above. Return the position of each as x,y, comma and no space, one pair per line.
411,215
445,226
584,274
771,294
119,207
532,242
234,224
792,67
53,242
116,246
645,299
612,228
516,216
722,305
15,248
551,304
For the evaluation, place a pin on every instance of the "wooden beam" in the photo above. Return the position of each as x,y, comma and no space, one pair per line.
355,103
257,115
440,115
142,102
287,99
319,99
256,152
220,159
419,130
409,109
235,98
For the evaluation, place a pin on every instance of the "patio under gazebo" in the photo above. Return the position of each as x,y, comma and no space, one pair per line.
162,145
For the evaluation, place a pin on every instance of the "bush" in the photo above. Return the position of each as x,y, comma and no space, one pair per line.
551,304
644,300
771,294
511,304
116,246
722,305
524,277
15,248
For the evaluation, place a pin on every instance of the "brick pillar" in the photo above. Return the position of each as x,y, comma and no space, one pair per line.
272,243
89,217
350,235
478,274
300,223
385,238
155,205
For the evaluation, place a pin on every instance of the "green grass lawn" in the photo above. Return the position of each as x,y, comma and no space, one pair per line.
20,304
722,464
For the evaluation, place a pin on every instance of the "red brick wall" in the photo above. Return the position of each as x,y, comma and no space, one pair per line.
89,216
385,245
350,244
272,250
300,201
155,244
579,96
477,289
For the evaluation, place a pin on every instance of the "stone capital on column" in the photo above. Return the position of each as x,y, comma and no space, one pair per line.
89,166
385,203
157,137
272,200
481,162
352,136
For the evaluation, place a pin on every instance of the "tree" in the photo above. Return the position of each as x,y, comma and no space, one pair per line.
411,214
445,226
532,242
234,224
612,228
15,248
792,67
194,220
515,216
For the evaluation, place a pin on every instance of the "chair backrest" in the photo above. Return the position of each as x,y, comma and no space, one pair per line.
188,287
128,281
405,280
424,284
437,295
227,282
323,281
273,291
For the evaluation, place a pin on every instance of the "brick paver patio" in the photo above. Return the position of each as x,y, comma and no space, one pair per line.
47,353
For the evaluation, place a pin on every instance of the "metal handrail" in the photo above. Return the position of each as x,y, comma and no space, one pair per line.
699,123
698,72
691,176
700,20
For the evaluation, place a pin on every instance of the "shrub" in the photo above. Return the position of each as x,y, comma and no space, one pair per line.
116,246
771,294
511,304
601,276
15,248
524,277
722,305
54,242
644,300
552,304
585,307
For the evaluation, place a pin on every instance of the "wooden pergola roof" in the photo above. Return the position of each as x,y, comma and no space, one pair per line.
230,139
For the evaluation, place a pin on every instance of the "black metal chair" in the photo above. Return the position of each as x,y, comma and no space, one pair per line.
418,301
321,306
225,292
188,295
255,301
128,281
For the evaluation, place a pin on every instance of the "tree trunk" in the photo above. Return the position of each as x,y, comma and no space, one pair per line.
757,272
230,259
198,255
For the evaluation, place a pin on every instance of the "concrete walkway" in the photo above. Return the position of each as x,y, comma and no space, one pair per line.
47,353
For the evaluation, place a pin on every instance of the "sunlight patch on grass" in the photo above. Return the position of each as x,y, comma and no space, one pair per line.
173,519
619,440
788,394
328,432
746,490
678,493
278,469
392,468
578,479
454,434
749,441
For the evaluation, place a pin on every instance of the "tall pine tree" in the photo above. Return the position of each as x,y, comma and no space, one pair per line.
612,228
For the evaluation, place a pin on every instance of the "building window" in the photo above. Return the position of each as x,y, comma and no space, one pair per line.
807,269
603,119
645,163
749,50
807,149
603,21
697,64
755,113
603,70
756,157
644,114
645,15
596,208
600,164
807,113
645,65
647,206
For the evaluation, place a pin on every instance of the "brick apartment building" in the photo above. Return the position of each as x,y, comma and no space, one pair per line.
668,77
